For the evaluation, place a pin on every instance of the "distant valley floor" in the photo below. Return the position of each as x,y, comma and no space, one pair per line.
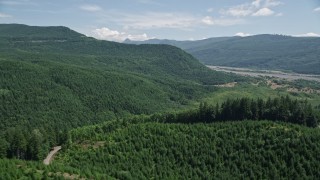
266,73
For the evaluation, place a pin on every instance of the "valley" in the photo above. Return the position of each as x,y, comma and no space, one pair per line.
262,51
267,73
147,111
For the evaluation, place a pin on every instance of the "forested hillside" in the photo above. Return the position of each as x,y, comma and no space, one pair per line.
203,143
145,147
298,54
125,111
53,79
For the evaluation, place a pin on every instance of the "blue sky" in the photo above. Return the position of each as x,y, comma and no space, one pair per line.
168,19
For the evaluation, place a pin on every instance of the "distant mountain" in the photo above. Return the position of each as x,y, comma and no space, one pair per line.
181,44
298,54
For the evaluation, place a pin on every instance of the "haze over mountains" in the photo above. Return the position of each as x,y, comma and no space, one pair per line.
273,52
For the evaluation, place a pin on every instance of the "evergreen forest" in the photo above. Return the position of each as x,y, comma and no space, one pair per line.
146,111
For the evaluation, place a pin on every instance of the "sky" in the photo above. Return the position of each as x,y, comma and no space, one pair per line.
168,19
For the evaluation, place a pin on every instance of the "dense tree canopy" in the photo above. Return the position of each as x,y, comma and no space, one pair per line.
265,51
58,86
53,79
282,109
140,148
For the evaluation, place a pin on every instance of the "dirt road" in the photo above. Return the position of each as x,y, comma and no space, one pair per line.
51,154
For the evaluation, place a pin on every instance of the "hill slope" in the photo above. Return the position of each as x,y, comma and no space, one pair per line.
232,150
261,150
53,79
297,54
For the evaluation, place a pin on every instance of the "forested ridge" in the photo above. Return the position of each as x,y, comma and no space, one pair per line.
53,79
139,148
264,51
208,142
127,112
158,147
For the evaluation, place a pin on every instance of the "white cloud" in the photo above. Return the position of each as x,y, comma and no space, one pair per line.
221,22
272,3
90,8
139,37
112,35
238,11
263,12
241,34
2,15
208,20
310,34
317,9
279,14
172,20
163,20
255,8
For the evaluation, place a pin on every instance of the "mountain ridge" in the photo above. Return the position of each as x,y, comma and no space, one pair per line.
264,51
21,30
49,86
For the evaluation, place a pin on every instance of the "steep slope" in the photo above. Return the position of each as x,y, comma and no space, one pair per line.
298,54
53,79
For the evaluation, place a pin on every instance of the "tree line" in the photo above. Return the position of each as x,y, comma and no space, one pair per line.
33,144
281,108
30,144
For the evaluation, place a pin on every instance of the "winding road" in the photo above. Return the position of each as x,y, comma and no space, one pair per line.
48,159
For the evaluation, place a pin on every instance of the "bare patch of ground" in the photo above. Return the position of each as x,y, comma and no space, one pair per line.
306,90
94,145
66,175
229,85
274,85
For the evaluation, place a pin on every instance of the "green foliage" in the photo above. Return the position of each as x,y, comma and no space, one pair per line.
277,109
300,84
142,149
298,54
19,31
19,169
82,78
260,90
53,79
